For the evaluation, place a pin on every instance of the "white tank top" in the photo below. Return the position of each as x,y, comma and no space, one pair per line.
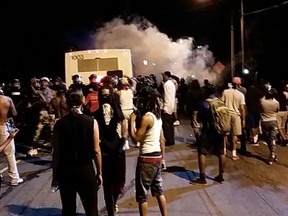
126,99
151,139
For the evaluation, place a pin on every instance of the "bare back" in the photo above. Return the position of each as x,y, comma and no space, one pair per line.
6,106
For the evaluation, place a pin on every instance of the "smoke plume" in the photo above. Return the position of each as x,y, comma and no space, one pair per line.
154,52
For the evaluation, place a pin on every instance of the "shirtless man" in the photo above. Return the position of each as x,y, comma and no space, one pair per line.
58,105
7,108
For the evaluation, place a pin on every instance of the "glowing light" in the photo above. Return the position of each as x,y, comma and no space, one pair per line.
153,63
145,62
89,51
245,71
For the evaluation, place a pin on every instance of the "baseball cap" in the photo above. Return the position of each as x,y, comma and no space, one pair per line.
236,80
44,79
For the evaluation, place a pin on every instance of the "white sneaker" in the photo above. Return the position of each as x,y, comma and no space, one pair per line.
265,143
116,209
32,152
20,180
255,144
126,145
176,123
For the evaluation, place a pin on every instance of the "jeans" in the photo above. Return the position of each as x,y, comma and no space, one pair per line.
148,176
270,131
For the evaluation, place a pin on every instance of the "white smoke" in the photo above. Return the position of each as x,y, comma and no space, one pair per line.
154,52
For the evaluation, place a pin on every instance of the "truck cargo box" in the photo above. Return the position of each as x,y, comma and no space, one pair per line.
101,62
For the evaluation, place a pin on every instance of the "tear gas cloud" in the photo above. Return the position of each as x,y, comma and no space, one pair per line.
154,52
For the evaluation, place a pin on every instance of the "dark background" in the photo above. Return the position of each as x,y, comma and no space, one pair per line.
35,36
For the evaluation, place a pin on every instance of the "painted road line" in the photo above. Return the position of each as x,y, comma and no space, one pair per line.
5,168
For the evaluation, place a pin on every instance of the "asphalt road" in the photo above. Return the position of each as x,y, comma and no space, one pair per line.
251,186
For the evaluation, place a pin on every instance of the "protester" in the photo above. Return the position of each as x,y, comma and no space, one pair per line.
168,95
6,107
75,146
210,141
151,153
235,101
112,134
270,107
126,98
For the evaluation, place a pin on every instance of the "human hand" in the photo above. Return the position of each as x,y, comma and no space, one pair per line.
164,167
133,117
99,181
13,133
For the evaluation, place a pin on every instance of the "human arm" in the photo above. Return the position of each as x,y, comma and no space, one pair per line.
162,146
8,140
132,82
124,129
243,111
12,108
97,153
243,115
146,122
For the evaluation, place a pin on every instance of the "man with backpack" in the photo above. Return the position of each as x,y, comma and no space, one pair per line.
212,135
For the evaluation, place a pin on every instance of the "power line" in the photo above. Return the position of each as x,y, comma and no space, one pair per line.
266,9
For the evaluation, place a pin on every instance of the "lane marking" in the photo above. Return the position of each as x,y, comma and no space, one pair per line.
6,168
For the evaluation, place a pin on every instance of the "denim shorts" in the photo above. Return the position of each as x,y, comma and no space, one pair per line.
148,176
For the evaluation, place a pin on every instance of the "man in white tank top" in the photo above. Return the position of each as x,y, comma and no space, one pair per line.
151,153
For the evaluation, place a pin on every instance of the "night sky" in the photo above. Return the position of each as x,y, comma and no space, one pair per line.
35,36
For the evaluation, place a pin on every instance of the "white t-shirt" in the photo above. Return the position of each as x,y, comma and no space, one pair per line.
169,96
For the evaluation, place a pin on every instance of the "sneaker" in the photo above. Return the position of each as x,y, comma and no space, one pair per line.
274,158
20,180
126,145
54,189
219,179
176,123
235,157
32,152
255,144
116,209
199,181
265,143
271,160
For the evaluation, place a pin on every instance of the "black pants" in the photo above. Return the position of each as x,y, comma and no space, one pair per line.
81,180
114,176
168,128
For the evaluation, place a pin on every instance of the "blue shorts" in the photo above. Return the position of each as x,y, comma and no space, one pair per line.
148,176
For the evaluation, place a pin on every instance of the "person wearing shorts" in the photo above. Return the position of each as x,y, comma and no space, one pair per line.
151,153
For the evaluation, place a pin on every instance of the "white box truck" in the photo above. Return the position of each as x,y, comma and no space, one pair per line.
101,62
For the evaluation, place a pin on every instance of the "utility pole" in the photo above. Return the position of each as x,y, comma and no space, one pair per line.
242,37
232,47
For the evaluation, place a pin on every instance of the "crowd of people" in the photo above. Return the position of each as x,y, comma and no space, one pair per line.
257,112
100,120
